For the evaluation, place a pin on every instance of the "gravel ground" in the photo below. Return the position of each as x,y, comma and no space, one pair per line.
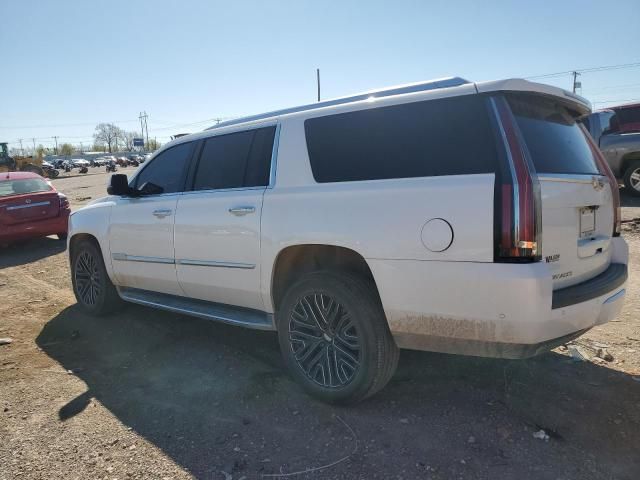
148,394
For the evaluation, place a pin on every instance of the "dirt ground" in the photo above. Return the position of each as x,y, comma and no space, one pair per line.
148,394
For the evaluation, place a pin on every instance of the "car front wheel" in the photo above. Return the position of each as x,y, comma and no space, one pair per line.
334,337
91,284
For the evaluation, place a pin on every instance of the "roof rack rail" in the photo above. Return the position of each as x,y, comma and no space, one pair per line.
384,92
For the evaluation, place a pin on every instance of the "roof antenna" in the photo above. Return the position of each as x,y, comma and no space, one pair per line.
318,81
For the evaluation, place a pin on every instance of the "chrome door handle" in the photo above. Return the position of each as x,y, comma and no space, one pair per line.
239,211
164,212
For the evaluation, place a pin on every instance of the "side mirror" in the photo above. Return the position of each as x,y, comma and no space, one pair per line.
119,185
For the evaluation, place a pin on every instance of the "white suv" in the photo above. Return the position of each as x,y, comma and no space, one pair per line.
459,217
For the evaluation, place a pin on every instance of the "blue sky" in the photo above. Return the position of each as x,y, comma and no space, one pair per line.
72,62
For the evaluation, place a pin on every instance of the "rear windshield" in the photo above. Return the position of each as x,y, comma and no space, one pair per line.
553,136
22,186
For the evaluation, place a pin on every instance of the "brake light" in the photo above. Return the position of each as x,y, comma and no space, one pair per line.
64,202
518,211
605,169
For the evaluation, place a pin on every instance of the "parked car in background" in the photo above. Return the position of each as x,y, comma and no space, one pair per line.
122,161
31,207
58,163
451,216
79,162
617,133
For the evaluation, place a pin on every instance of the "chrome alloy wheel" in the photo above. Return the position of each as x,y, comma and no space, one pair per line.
87,276
324,341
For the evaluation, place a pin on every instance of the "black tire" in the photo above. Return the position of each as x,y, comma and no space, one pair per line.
358,320
632,185
92,287
62,236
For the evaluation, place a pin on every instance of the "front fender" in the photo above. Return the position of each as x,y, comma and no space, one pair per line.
94,220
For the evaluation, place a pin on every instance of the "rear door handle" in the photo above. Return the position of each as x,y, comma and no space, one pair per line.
239,211
161,213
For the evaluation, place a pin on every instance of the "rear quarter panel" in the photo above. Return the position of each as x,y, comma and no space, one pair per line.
380,219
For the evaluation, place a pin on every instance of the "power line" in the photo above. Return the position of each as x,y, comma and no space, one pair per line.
66,124
586,70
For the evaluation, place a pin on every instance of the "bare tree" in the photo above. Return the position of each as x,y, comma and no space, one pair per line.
126,138
107,134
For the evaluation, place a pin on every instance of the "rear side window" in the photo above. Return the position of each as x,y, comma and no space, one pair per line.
235,160
449,136
168,169
553,135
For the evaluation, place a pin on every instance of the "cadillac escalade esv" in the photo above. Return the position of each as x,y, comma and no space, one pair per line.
451,216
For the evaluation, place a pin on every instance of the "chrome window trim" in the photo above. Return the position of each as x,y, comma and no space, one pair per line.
28,205
219,190
212,263
123,257
152,197
569,177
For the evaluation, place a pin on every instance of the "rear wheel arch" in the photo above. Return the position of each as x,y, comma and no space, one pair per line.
294,261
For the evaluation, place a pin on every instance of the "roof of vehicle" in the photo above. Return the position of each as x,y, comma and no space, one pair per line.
18,176
378,93
577,102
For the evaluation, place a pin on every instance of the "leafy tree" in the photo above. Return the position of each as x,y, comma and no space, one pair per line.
153,145
66,149
41,151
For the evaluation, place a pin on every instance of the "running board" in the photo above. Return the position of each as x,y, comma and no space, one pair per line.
219,312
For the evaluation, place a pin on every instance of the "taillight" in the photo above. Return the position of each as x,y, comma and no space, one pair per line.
64,202
605,169
518,210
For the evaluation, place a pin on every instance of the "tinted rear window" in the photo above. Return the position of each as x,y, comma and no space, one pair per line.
20,187
449,136
553,136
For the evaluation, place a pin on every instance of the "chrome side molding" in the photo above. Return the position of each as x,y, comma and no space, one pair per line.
123,257
211,263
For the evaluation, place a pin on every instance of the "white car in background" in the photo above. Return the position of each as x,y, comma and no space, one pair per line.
79,162
451,216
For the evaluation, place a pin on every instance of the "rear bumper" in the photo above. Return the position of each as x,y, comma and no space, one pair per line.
40,228
494,310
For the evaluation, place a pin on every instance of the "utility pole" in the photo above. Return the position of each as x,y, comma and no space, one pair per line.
34,146
144,126
318,81
576,84
21,149
56,139
81,147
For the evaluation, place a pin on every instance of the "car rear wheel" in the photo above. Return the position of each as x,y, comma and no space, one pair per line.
334,337
632,178
91,284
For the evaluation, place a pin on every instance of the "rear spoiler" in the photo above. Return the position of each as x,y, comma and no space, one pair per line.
576,102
